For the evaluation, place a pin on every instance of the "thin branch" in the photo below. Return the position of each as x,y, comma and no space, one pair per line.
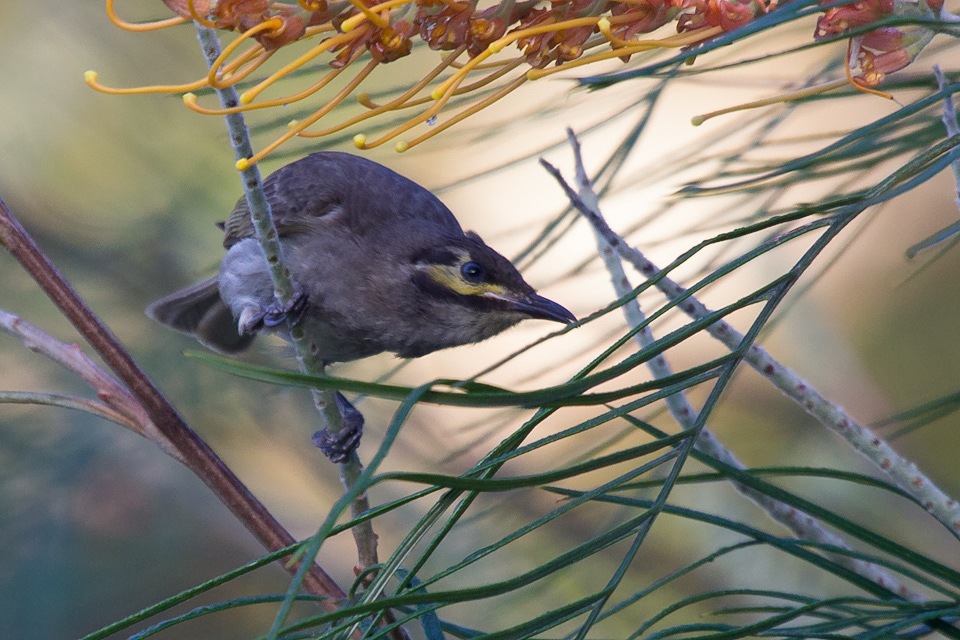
196,454
113,395
308,355
42,398
904,472
801,524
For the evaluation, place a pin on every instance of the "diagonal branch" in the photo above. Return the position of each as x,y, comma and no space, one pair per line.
905,473
47,399
196,454
801,524
116,403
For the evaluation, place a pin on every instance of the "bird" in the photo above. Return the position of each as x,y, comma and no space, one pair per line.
380,264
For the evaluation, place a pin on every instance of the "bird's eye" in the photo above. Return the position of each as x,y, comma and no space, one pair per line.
472,272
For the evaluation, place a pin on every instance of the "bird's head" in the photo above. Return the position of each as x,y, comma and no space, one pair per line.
478,291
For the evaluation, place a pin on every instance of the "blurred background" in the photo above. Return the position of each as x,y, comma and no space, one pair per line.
123,193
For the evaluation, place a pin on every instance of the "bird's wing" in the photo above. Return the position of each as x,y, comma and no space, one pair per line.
288,202
367,193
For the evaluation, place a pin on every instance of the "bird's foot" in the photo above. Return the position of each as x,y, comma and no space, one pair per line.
276,313
255,317
338,446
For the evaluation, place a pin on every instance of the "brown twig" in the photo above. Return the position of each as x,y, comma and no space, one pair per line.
196,454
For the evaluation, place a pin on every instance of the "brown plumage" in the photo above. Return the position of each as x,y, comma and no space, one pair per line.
383,264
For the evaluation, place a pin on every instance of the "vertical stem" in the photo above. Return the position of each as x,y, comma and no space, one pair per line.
308,355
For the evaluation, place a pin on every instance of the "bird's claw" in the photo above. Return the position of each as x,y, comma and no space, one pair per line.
253,318
276,314
338,446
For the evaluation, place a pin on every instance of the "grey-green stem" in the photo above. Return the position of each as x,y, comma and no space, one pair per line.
905,473
802,525
308,356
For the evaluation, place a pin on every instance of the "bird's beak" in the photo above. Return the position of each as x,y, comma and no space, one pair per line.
536,306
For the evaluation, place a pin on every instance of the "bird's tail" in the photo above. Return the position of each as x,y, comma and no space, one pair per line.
199,310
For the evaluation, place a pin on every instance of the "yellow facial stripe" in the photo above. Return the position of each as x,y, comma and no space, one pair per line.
449,277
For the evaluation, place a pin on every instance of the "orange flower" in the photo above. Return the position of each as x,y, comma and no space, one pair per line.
243,15
490,24
726,14
641,17
563,43
874,54
883,51
497,48
444,26
392,42
850,16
